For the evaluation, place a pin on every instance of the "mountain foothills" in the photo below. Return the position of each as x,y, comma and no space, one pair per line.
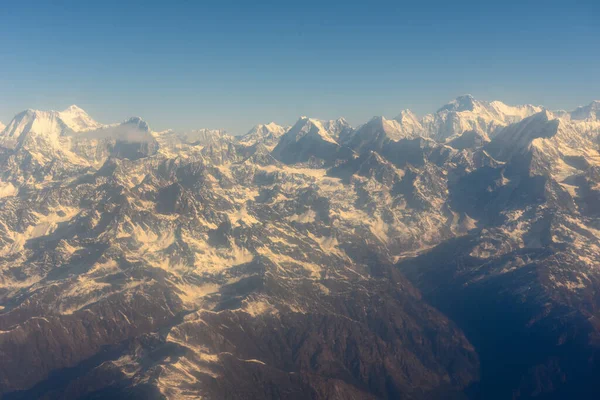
455,255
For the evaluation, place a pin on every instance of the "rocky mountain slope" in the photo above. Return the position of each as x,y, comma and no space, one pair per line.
450,256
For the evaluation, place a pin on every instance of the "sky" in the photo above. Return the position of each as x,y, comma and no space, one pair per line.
233,64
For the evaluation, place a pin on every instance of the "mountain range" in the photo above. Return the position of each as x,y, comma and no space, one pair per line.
454,255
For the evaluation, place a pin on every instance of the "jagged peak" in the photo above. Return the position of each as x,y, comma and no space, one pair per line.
30,122
308,122
270,127
31,112
516,138
338,121
388,126
74,108
138,122
407,113
273,124
465,99
72,119
133,120
308,126
590,111
408,118
262,132
379,119
323,122
543,115
465,102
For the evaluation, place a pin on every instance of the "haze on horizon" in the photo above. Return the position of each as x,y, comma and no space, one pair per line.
232,65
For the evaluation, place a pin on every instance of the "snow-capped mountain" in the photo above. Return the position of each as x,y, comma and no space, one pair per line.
589,112
309,140
46,125
410,124
202,136
2,126
78,120
41,145
464,114
267,134
337,128
450,256
377,132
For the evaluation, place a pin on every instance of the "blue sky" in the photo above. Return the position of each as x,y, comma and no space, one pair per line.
232,64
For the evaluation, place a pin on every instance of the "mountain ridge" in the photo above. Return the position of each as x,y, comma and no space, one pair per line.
79,120
323,261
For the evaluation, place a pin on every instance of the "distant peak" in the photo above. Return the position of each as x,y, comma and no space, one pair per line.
307,125
139,122
406,111
271,126
303,120
590,111
594,105
262,131
133,120
73,108
378,119
543,115
466,102
407,115
465,97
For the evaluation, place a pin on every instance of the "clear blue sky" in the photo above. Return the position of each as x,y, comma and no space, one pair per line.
232,64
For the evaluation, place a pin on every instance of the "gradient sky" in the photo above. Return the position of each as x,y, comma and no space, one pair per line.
232,64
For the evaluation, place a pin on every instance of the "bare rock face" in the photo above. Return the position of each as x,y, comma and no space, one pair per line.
451,256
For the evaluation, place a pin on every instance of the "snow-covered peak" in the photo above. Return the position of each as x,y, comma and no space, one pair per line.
511,114
409,123
468,105
407,115
75,109
267,133
516,138
46,124
391,127
78,120
375,133
271,127
337,127
465,113
461,103
589,112
309,126
309,141
2,126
